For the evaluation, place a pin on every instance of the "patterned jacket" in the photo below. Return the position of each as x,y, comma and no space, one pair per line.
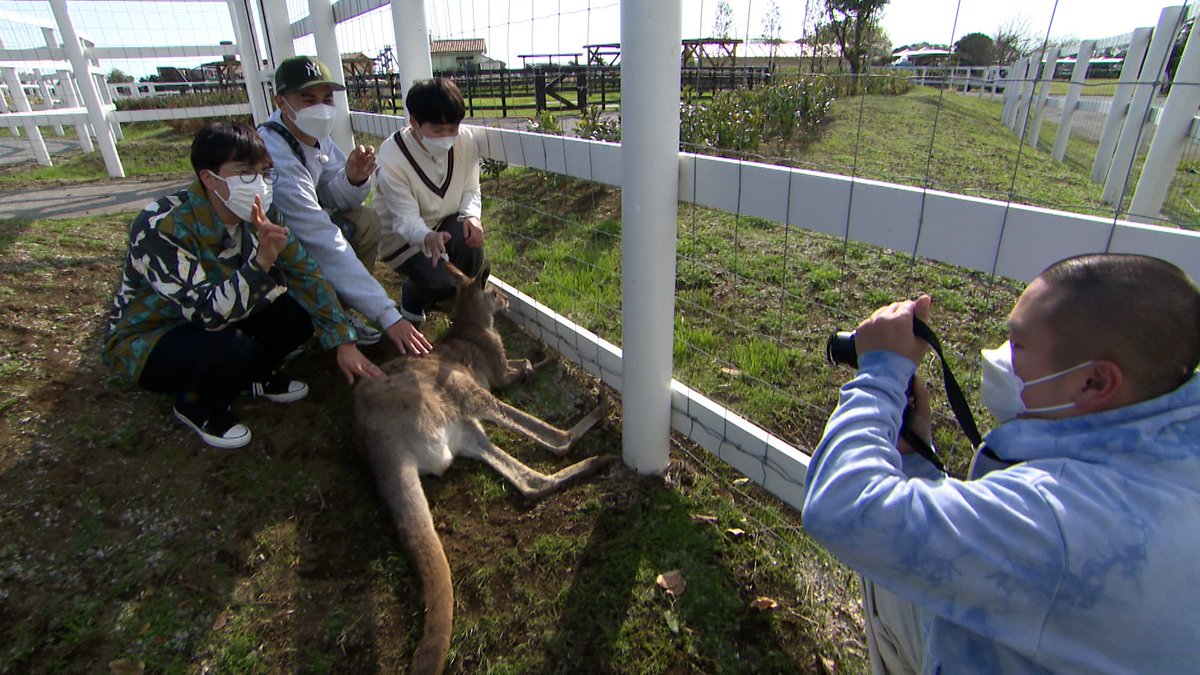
1078,557
183,266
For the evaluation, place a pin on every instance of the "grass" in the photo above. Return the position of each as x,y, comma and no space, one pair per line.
149,149
754,301
1091,87
127,544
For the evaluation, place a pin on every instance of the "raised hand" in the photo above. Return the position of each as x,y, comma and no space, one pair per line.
272,238
890,328
360,164
435,245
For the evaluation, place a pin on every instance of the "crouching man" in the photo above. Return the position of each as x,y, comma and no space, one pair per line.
321,191
216,292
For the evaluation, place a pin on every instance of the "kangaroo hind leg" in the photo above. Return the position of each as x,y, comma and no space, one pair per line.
532,484
557,441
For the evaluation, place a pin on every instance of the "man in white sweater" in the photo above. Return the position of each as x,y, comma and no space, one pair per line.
428,197
321,192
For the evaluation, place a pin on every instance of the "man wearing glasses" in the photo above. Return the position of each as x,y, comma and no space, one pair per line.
216,292
321,191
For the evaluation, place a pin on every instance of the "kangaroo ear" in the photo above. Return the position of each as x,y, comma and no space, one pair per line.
484,272
456,274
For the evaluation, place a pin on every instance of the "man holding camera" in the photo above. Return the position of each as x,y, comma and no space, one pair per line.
1072,547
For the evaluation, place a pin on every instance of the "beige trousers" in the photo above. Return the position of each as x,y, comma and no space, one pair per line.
362,226
895,635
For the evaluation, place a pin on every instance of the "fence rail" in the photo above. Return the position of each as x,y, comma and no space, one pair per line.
985,235
538,89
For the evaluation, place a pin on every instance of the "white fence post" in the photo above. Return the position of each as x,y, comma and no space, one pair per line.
106,99
1039,110
1078,75
21,103
66,89
279,31
412,42
1017,84
1012,92
1028,86
1119,106
96,111
324,30
247,45
48,102
1139,107
650,69
1170,138
16,131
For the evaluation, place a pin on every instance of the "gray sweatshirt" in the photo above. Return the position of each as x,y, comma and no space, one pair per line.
300,193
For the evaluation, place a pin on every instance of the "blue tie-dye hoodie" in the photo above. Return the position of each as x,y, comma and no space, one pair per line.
1082,557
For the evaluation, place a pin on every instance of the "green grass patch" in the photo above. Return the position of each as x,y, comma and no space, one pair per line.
149,149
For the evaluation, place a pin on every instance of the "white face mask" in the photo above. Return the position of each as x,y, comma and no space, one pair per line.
315,120
439,145
1002,386
242,194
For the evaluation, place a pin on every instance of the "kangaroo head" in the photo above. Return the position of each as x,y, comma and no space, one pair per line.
476,300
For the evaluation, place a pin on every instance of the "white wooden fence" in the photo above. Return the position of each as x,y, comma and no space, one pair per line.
989,236
1132,106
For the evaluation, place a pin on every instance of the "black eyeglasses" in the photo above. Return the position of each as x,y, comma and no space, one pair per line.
268,175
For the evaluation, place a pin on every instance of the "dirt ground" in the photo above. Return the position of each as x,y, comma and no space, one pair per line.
129,546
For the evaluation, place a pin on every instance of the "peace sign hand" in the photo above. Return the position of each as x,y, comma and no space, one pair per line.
272,238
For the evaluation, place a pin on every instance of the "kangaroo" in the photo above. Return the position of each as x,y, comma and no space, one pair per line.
426,412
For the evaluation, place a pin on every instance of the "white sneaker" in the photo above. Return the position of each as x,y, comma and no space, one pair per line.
279,389
367,335
221,431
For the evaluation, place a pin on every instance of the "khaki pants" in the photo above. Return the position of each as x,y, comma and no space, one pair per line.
361,228
895,634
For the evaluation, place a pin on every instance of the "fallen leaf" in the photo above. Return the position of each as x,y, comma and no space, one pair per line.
741,481
764,603
126,667
731,371
701,518
672,621
221,620
735,532
145,627
672,582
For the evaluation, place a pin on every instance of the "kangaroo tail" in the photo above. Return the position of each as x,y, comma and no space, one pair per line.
401,488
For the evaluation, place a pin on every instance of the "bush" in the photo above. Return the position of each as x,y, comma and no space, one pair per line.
544,123
189,126
592,127
742,119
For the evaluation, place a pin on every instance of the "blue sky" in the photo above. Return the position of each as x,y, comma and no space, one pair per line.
513,27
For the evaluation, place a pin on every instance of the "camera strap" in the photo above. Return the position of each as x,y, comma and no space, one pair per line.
958,402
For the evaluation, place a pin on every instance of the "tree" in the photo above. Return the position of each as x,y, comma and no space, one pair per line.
117,76
723,24
854,23
975,49
1013,39
772,27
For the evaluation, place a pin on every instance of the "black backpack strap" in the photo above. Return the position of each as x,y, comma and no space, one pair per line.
287,136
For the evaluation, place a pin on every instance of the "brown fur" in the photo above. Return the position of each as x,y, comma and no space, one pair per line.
426,412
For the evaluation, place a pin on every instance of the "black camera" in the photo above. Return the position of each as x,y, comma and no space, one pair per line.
839,349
